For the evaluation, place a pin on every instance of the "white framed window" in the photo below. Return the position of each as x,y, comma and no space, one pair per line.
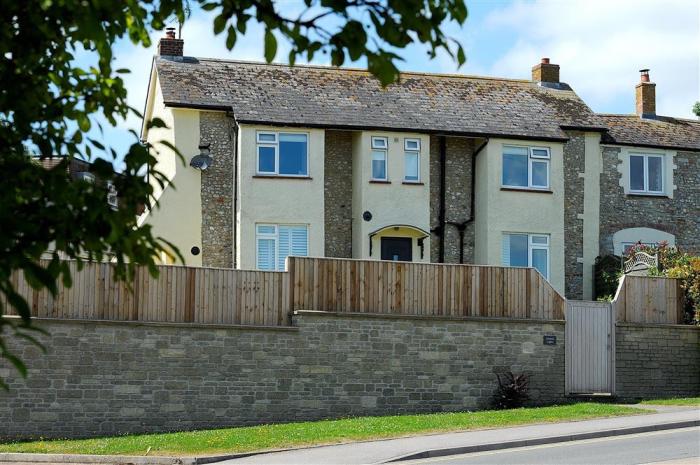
275,242
411,160
646,173
526,167
282,153
411,145
379,158
526,250
625,238
381,143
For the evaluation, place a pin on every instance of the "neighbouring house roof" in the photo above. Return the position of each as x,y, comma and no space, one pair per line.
662,131
316,96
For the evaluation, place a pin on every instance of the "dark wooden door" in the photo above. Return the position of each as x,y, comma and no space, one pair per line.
397,249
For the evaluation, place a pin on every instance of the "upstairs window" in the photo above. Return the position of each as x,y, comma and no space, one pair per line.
646,173
526,167
283,154
379,156
275,242
412,160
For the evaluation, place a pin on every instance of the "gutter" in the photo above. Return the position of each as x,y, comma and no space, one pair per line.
428,131
649,146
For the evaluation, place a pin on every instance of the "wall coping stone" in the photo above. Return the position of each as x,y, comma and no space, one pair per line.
657,325
162,324
391,316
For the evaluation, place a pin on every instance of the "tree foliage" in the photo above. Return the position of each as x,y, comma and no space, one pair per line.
696,109
50,104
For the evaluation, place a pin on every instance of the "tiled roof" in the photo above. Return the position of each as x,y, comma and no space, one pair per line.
346,98
661,131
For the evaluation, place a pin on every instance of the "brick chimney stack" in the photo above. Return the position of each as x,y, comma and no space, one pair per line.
544,71
646,96
170,45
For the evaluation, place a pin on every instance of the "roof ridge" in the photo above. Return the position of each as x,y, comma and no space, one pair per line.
634,115
361,70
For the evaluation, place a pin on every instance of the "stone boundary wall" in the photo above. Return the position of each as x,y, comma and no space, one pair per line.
106,378
657,360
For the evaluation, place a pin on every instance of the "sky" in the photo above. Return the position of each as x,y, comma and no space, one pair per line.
600,45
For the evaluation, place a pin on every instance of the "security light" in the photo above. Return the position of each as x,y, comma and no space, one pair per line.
203,160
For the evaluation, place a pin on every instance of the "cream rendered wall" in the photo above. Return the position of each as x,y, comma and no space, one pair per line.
178,217
501,211
591,209
278,200
394,203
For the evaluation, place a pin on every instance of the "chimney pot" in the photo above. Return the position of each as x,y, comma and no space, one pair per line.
545,72
645,96
644,75
170,32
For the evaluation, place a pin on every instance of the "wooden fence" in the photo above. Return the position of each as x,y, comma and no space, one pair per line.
642,299
179,294
371,286
223,296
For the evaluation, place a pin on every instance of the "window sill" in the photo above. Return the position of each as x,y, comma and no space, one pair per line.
647,194
379,181
413,183
275,176
525,189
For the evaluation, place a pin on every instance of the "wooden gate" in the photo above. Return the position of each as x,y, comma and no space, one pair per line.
590,348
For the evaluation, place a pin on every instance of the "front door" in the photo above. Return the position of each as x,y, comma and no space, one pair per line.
397,249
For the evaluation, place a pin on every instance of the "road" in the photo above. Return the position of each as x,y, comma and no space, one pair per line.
678,446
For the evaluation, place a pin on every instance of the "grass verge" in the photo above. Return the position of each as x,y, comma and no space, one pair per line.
693,401
232,440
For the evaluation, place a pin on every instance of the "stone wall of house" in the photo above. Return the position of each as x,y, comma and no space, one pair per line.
106,378
574,164
458,179
679,216
338,194
657,361
217,130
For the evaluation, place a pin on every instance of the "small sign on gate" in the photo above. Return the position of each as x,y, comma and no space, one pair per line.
549,340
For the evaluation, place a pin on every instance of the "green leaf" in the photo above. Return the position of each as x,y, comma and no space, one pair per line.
220,24
231,38
270,46
461,57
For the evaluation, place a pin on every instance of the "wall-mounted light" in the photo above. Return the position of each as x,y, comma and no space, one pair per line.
203,160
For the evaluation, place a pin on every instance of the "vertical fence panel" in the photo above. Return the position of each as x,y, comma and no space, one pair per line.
642,299
420,289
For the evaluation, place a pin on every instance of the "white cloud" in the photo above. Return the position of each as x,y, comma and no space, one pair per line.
601,45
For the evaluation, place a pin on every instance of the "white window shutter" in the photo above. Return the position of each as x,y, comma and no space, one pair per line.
284,246
505,250
300,241
266,254
293,240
